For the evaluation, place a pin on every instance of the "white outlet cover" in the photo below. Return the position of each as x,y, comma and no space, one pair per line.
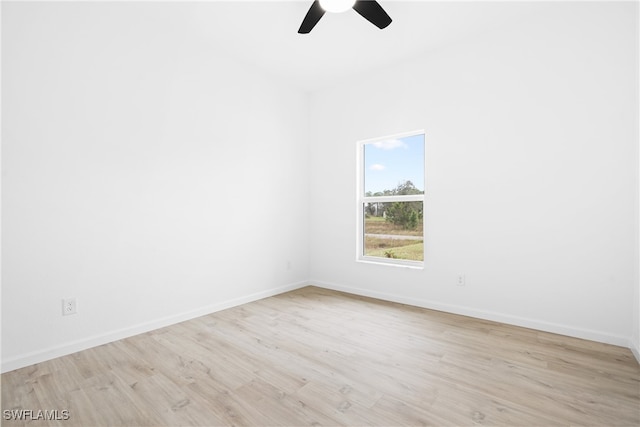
69,306
462,280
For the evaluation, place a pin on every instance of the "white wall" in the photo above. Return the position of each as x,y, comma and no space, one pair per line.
126,139
635,340
531,173
143,173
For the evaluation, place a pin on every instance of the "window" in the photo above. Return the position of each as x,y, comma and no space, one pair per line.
391,184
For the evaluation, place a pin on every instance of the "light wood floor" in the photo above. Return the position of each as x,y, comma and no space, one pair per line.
318,357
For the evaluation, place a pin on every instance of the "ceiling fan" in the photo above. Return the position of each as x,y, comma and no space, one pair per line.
369,9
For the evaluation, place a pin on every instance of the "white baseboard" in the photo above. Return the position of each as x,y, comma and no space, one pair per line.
85,343
635,349
486,315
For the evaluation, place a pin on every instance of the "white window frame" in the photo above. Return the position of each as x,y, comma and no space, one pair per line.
361,199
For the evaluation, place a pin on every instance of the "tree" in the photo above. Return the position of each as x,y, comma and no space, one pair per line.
375,208
404,214
406,188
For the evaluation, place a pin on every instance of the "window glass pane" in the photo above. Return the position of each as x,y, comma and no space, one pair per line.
394,230
394,166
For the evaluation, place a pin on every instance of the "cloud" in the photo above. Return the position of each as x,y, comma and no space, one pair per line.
389,144
377,167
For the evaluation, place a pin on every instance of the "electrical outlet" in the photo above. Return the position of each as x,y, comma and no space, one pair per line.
462,280
69,306
288,265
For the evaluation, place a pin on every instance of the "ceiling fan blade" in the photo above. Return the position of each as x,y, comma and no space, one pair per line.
311,18
372,12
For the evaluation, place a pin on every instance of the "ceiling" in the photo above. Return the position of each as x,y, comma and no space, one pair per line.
263,34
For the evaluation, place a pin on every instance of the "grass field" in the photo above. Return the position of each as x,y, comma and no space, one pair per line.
379,225
413,251
408,249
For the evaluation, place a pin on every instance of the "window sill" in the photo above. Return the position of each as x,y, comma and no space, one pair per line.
414,265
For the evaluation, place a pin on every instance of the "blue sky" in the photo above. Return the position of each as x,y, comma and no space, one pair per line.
390,162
